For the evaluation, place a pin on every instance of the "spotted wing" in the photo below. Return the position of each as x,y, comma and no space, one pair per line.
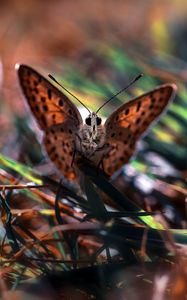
56,115
59,142
48,104
130,121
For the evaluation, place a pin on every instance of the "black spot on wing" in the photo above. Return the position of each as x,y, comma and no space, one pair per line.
43,119
45,108
49,93
43,99
33,98
36,90
138,106
60,102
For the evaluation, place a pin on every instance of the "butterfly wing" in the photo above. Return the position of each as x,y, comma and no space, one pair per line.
56,115
125,125
48,104
59,142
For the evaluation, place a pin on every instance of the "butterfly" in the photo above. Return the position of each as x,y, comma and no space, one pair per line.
67,137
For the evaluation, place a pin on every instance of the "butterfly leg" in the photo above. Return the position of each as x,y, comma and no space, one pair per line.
78,143
77,147
101,164
73,157
101,154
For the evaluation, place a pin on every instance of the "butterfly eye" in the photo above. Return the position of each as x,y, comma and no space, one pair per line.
98,120
88,121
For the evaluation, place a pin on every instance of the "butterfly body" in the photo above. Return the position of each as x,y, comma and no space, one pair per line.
91,137
66,136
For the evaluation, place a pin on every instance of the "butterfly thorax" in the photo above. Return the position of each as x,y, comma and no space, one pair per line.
90,137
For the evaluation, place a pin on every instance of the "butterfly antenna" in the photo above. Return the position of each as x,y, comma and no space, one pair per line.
125,88
50,76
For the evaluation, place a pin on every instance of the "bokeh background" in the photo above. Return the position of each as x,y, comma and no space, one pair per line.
95,48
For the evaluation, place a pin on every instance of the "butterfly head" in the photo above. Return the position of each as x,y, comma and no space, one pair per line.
93,119
93,122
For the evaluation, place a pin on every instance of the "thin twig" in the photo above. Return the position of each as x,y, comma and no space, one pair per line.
21,186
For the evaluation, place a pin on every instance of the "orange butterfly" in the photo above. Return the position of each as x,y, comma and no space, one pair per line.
66,136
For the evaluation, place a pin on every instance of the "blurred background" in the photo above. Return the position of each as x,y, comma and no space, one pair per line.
94,48
88,34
